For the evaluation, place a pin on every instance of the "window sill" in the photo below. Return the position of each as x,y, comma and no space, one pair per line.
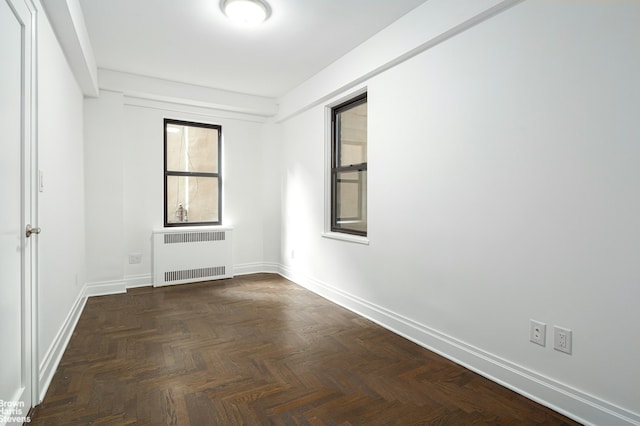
346,237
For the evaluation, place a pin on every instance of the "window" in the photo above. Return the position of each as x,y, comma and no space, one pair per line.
349,166
192,179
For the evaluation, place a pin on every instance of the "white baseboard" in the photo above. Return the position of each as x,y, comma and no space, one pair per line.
102,288
52,358
256,268
135,281
582,407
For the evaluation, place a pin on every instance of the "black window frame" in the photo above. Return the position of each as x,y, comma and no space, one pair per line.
168,173
335,162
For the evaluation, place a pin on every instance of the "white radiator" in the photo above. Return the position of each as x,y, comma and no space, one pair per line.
191,254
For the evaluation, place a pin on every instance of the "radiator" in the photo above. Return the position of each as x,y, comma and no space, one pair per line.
185,255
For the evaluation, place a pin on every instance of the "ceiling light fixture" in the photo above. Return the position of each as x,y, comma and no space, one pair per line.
246,12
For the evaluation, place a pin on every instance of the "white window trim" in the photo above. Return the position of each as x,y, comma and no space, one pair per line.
327,233
346,237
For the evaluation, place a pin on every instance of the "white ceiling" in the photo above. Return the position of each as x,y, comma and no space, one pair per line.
191,41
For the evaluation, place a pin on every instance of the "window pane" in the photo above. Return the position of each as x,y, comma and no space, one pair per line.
351,201
191,149
352,135
197,195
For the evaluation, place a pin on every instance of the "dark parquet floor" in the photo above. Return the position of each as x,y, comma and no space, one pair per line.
257,350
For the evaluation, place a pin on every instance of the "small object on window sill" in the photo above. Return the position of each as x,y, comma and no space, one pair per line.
181,214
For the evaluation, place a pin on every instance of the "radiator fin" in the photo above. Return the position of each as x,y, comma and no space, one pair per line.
192,274
194,237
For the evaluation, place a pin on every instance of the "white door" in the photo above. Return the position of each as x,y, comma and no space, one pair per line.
16,95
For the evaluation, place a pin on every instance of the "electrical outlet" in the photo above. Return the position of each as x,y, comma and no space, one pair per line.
135,258
537,332
562,339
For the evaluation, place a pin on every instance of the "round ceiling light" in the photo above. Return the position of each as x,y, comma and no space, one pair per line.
246,12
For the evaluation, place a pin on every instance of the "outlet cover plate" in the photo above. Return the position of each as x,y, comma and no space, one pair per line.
562,339
537,332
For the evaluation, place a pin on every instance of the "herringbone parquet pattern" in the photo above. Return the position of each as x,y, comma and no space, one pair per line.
259,350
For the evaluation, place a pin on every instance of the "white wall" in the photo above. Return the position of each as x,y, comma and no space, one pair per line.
61,213
503,186
104,180
271,192
124,142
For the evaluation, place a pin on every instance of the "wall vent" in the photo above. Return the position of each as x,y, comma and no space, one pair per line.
189,255
192,274
194,237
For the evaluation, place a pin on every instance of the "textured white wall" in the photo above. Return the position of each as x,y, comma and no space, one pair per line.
271,191
104,174
503,186
129,180
143,192
61,213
